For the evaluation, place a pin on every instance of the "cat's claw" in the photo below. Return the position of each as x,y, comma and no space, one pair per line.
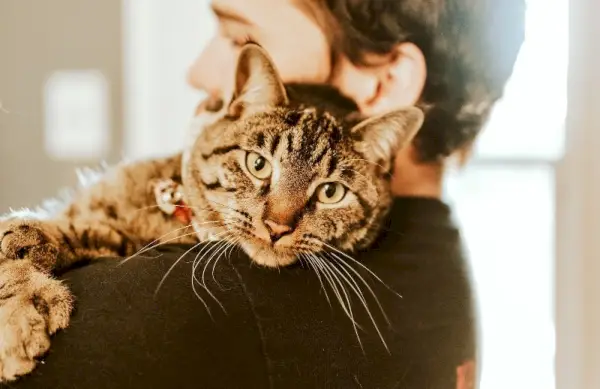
24,239
33,306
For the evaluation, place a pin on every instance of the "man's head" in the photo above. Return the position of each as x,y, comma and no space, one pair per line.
450,57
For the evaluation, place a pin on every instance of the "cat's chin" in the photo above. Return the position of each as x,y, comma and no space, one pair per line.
268,256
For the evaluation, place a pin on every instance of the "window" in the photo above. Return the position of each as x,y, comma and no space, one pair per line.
505,202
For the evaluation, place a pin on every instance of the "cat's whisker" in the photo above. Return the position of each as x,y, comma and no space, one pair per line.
223,235
222,245
206,249
209,246
361,265
237,212
211,209
230,245
317,262
173,266
197,294
233,246
332,282
360,277
203,302
355,324
346,306
350,280
318,273
157,242
361,297
352,283
153,245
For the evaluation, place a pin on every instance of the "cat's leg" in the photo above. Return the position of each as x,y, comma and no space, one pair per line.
33,306
59,243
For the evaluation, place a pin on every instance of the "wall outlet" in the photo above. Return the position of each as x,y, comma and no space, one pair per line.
76,104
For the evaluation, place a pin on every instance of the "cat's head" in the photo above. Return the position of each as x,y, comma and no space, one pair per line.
284,181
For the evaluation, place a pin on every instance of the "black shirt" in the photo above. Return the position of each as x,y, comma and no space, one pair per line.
276,328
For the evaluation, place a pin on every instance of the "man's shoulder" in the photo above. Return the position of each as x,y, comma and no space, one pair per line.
420,255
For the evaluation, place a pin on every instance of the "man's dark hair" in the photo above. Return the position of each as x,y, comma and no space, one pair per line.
470,47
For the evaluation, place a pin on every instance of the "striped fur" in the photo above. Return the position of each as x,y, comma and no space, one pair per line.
305,133
313,149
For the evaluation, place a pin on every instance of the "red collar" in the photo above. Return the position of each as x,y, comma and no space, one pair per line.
183,213
169,198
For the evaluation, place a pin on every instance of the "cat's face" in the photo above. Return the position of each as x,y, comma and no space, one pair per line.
284,182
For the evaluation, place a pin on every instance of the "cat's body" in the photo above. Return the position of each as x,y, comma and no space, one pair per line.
114,212
282,174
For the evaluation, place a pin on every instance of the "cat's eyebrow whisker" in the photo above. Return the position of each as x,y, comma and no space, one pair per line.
364,160
355,171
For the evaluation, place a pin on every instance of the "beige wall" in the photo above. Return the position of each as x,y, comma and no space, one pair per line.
578,223
36,39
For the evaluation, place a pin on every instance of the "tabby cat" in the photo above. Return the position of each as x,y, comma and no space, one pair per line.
284,172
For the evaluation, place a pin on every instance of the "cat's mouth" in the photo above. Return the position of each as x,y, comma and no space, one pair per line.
265,250
269,254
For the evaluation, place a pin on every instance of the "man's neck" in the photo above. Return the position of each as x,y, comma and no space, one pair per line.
413,179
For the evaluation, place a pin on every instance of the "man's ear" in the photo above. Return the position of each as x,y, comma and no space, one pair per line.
257,83
391,80
381,137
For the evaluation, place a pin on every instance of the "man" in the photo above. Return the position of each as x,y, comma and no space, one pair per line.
450,57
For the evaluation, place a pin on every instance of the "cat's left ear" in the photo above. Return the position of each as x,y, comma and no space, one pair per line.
381,137
257,83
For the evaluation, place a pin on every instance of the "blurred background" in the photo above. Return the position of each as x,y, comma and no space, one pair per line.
85,81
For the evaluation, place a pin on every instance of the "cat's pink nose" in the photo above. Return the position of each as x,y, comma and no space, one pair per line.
276,230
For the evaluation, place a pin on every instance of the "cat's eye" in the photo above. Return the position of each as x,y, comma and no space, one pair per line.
331,193
258,166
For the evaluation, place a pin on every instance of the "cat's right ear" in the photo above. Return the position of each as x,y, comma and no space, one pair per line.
257,83
380,138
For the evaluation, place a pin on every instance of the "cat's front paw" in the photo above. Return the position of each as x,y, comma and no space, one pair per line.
33,306
29,239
